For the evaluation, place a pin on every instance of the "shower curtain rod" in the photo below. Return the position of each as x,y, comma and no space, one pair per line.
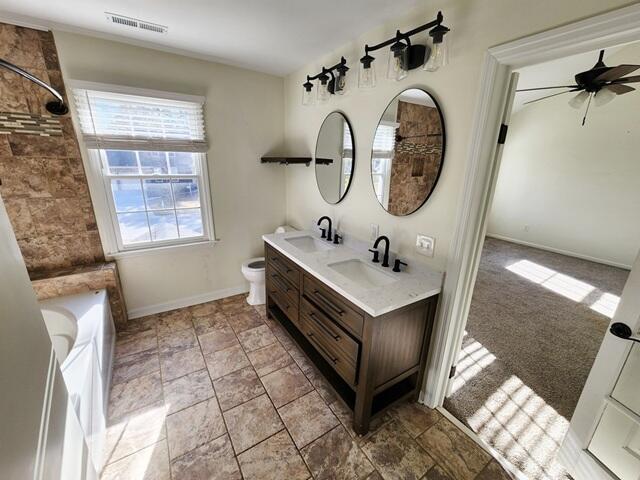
55,107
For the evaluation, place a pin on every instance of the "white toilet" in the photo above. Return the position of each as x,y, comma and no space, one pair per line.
253,271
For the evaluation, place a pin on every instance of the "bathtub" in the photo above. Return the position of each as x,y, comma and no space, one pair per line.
83,335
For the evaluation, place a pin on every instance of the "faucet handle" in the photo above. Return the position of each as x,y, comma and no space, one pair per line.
396,265
324,232
336,238
376,255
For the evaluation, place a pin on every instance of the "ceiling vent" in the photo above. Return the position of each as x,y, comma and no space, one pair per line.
135,23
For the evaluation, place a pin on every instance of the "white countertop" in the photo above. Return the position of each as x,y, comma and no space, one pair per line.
417,283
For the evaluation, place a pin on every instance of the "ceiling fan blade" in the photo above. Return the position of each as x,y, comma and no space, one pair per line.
620,89
549,96
634,79
616,72
545,88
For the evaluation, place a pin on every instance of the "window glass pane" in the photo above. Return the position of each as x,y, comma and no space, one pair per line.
122,162
133,227
163,225
127,195
185,191
153,163
190,222
158,193
182,163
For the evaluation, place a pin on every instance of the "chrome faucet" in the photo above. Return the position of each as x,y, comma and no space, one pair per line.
385,258
326,233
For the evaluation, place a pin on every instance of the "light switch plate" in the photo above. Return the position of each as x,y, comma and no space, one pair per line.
425,245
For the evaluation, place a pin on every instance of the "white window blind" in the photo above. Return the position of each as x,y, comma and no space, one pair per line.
384,141
118,121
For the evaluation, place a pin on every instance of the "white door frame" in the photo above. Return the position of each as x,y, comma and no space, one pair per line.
602,31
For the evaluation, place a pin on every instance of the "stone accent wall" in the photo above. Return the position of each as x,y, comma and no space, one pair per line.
417,158
44,186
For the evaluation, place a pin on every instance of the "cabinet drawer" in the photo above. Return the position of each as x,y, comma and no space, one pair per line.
322,343
333,305
286,266
334,334
280,282
282,300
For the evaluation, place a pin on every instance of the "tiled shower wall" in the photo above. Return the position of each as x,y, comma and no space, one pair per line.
43,181
417,162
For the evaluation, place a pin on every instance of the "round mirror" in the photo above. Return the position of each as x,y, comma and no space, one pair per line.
335,157
407,152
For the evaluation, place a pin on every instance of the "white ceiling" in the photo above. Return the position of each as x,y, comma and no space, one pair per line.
557,72
273,36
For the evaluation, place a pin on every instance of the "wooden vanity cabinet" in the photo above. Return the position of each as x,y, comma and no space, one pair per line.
372,362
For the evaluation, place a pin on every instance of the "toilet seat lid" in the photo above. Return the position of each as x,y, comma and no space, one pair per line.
254,264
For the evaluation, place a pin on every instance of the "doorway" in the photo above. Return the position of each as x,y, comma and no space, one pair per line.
473,221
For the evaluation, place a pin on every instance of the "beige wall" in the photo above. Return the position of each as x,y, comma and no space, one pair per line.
244,120
572,188
476,26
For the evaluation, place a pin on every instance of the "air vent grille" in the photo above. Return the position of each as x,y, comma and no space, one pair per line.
135,23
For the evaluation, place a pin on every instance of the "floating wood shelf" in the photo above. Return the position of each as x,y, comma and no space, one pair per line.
287,160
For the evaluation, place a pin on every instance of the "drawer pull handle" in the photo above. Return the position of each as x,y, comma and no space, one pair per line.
335,336
334,360
328,303
280,283
276,259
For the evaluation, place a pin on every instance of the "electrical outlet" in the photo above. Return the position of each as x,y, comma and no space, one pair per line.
526,228
425,245
374,232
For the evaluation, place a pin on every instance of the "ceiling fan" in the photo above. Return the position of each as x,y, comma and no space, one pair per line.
600,83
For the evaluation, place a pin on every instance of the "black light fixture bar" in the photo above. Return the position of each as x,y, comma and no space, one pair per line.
405,36
416,54
55,107
325,73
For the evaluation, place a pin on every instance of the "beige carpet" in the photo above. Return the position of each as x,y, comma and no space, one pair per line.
535,325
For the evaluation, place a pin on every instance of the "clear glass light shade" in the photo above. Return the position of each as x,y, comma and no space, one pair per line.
603,97
323,92
579,99
366,76
341,85
396,68
308,97
439,56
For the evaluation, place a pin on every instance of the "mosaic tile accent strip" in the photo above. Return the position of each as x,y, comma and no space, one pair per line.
27,123
418,148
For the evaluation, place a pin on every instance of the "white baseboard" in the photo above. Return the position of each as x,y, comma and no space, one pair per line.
560,251
187,301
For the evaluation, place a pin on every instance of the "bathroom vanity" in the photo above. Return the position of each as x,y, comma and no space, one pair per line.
366,328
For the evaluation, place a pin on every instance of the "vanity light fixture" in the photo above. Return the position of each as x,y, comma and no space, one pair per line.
330,81
403,56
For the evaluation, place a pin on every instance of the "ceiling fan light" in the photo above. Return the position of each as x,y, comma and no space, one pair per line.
604,96
577,101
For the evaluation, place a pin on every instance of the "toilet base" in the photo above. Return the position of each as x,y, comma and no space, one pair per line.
257,294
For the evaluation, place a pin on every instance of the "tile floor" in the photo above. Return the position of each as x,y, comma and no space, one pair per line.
219,391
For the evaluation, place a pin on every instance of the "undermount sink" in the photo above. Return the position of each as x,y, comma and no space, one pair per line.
309,244
362,273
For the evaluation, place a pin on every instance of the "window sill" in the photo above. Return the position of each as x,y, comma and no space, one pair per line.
143,252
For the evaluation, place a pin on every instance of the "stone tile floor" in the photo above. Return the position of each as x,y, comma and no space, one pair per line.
219,391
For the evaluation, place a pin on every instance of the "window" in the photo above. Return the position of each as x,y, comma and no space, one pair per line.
384,144
347,159
149,154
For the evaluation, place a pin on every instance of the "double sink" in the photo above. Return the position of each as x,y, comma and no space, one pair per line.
355,270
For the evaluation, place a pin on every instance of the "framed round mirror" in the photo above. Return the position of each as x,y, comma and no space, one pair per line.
408,152
335,157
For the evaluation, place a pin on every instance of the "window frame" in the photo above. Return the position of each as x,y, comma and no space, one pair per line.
99,180
203,191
